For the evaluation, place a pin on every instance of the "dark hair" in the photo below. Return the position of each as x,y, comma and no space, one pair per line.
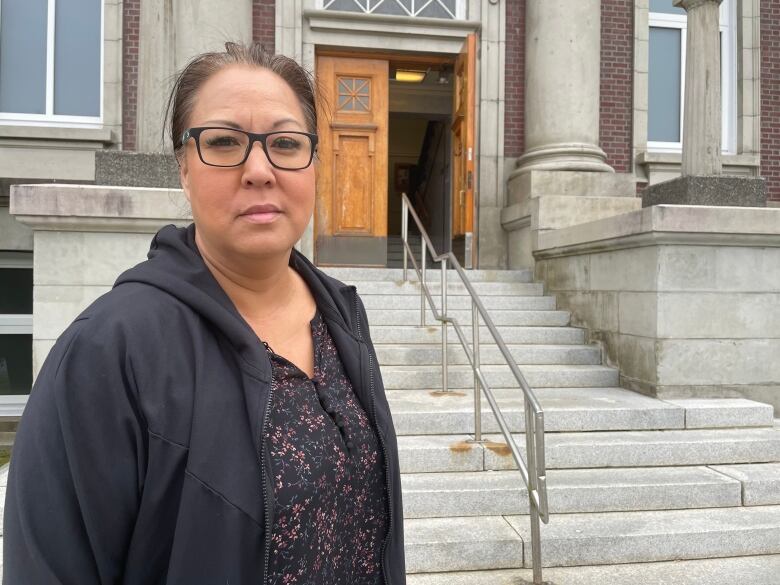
203,66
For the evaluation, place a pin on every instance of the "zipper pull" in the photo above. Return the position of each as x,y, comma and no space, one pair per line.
268,347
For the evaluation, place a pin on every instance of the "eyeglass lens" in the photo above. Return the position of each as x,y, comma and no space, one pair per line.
222,147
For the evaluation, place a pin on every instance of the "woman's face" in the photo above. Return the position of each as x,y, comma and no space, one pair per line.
255,100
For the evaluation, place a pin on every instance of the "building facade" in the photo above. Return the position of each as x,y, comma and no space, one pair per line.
489,114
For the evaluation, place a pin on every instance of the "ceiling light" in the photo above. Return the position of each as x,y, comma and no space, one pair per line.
409,75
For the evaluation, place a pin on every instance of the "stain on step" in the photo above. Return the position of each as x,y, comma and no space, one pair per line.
501,449
440,393
461,447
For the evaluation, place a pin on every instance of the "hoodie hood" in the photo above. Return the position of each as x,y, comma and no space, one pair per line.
176,267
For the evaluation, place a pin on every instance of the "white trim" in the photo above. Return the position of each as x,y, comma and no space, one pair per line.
51,18
50,118
16,324
728,75
16,260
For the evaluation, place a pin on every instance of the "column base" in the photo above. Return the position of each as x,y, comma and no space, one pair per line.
571,156
719,190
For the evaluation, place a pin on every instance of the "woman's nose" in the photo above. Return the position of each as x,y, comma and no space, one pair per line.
257,167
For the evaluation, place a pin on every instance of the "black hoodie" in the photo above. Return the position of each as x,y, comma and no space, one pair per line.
139,458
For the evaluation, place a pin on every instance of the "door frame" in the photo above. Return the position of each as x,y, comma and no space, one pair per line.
307,30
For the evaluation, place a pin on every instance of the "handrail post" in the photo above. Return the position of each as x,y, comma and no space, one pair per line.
404,232
422,281
533,486
444,357
475,358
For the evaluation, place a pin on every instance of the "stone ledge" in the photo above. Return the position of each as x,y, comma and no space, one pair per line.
97,207
666,224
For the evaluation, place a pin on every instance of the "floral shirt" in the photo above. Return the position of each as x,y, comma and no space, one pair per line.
330,499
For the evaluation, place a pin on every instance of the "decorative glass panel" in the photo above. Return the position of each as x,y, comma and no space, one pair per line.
665,7
665,84
77,57
424,8
354,94
23,56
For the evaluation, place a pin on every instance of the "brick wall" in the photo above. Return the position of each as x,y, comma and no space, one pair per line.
514,84
131,14
617,76
770,97
264,22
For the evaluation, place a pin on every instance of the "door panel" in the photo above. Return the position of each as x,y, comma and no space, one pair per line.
463,140
351,213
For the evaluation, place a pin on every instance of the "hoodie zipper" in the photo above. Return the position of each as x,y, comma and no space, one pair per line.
266,504
381,441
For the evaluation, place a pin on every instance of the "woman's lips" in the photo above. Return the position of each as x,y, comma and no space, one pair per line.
261,214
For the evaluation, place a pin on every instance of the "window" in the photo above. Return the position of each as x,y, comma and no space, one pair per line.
666,85
16,300
451,9
51,62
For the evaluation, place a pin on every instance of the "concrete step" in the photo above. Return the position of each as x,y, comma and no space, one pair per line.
504,317
760,482
461,302
707,413
459,544
751,570
352,275
433,453
424,412
632,537
537,376
486,289
430,354
475,543
394,334
497,493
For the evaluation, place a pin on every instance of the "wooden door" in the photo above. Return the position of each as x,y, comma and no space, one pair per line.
463,140
350,220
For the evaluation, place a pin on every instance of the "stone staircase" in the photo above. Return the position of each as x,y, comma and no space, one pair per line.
641,490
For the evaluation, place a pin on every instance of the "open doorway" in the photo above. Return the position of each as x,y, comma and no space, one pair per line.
391,124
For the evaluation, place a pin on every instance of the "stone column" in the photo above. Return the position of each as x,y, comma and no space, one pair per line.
171,33
562,178
702,111
563,58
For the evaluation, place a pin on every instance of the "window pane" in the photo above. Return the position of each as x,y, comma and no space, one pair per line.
23,56
16,291
665,6
15,364
664,84
77,58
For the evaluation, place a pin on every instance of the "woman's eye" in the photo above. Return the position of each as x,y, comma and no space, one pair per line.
221,141
286,143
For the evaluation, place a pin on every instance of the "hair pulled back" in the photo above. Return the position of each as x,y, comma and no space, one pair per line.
185,89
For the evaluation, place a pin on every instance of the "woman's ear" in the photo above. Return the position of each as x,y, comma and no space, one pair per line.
184,177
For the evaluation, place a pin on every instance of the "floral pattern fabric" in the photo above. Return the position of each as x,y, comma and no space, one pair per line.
330,500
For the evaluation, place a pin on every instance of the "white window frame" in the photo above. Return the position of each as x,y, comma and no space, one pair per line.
417,6
728,19
50,118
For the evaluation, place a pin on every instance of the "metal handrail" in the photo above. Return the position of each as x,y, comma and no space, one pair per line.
534,472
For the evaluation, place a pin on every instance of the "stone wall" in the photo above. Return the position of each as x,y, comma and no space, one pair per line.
685,300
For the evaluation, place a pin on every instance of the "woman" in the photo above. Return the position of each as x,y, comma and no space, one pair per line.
219,416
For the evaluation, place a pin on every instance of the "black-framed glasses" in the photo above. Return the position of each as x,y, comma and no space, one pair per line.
229,147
